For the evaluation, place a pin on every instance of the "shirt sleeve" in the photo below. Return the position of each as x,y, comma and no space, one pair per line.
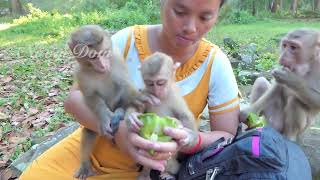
119,39
223,89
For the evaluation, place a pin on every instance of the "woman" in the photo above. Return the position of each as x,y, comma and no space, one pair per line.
205,76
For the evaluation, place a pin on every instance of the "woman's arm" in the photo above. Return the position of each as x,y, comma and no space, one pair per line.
223,125
75,105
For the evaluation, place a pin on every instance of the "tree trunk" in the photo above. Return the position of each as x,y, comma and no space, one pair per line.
254,8
281,4
16,7
274,6
317,5
294,6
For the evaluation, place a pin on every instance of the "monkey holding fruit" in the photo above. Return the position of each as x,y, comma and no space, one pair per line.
291,102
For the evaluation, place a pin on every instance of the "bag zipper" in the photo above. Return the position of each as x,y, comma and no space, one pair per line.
212,173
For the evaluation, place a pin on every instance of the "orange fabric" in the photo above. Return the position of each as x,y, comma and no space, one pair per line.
126,50
224,104
62,160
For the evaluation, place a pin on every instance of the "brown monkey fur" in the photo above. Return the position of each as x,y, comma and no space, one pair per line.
158,74
103,80
291,102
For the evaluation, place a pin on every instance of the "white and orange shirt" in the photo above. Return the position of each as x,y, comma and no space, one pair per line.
206,78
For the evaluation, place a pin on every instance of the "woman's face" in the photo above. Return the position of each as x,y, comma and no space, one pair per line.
186,21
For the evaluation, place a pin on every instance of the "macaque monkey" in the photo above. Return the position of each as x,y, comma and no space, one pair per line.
103,80
158,75
291,102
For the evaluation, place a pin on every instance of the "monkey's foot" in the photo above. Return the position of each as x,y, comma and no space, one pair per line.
166,176
84,171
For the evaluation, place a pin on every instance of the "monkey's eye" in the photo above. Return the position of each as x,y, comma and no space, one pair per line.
284,45
161,82
293,47
149,83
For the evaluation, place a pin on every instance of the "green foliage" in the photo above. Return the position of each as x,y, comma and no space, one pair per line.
239,17
266,62
48,27
22,147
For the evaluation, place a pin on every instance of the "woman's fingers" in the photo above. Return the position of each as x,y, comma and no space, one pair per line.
176,133
146,161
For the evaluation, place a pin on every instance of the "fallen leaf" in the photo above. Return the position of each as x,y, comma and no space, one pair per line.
3,117
6,79
17,140
3,164
53,92
18,118
32,111
6,174
28,122
1,56
39,123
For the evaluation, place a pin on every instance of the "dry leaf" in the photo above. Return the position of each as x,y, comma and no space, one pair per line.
3,164
17,118
6,79
53,92
17,140
32,111
3,117
1,134
7,174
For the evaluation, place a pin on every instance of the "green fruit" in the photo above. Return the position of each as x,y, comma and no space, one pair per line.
153,126
255,121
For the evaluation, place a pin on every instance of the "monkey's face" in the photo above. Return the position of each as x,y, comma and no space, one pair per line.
186,21
158,85
294,56
98,56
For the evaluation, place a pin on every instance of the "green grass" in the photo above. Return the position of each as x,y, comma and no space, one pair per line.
259,32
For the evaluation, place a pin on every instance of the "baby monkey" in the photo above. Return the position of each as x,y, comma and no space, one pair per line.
158,71
291,102
104,82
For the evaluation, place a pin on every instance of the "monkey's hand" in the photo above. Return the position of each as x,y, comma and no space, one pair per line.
133,122
244,114
149,98
286,77
105,127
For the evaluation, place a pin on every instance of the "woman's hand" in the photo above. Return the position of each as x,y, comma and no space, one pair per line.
186,138
138,148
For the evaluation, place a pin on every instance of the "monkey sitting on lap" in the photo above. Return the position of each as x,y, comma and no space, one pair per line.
104,82
158,75
292,101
